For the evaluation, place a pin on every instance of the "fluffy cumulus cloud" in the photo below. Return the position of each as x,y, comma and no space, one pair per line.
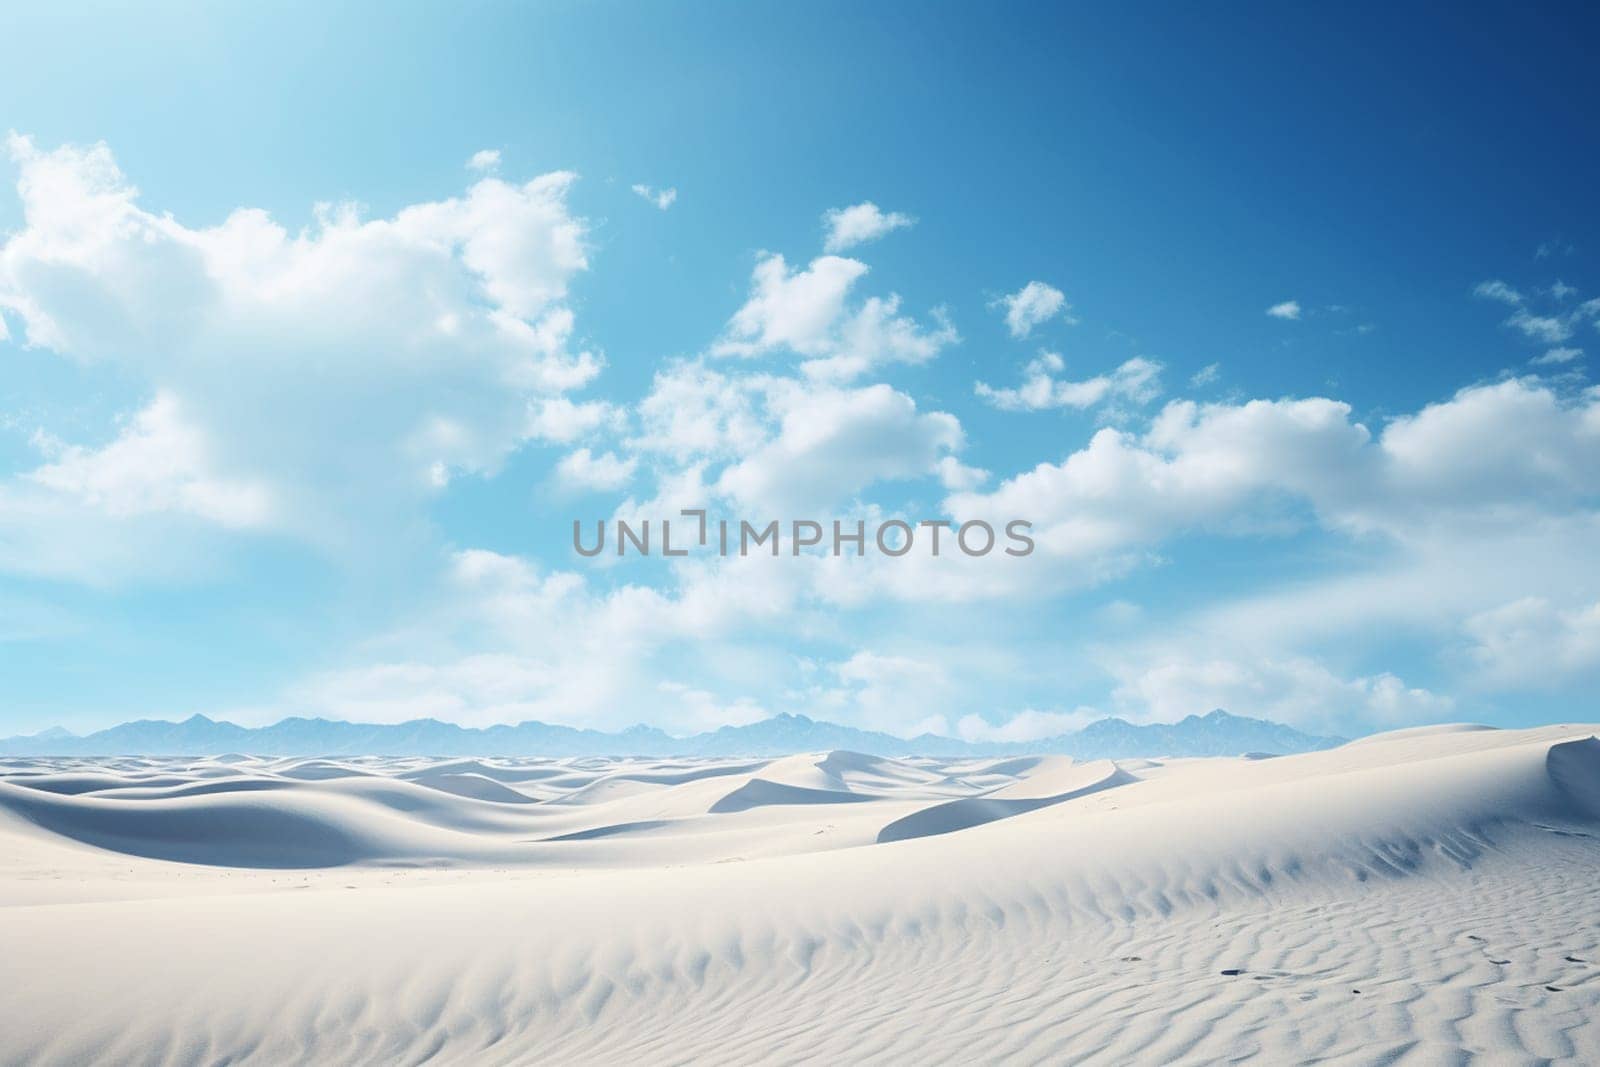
957,476
1497,482
695,412
808,312
1533,643
548,645
1196,464
1496,453
583,469
328,383
1486,475
1298,690
786,446
159,462
1043,387
1512,451
876,335
1226,468
795,309
832,443
1289,311
287,372
850,226
560,420
1032,305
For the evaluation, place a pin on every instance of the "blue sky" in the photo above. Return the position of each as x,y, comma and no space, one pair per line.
263,457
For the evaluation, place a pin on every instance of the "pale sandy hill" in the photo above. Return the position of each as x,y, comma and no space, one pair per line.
1423,897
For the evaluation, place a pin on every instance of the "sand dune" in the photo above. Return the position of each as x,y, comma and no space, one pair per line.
1055,784
1424,896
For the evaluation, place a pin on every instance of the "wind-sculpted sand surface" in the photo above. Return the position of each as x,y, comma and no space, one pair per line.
1427,896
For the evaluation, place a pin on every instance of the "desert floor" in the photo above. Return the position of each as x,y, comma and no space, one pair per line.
1425,896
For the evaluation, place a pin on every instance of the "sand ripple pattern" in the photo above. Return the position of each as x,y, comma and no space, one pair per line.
1426,897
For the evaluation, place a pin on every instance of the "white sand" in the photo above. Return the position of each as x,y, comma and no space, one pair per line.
1429,896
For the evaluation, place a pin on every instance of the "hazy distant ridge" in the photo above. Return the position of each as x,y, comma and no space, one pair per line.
1215,734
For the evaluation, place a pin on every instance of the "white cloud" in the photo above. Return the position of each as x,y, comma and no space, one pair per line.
876,335
902,695
1409,587
661,198
159,462
792,309
958,477
806,311
561,421
1488,449
1137,380
694,412
1205,376
1531,643
1289,310
343,372
1498,290
785,443
1546,328
1556,356
583,469
1296,690
858,224
546,646
1497,482
1032,305
1490,464
1026,725
1197,466
298,381
1513,449
63,536
485,160
832,443
699,709
1552,327
1224,467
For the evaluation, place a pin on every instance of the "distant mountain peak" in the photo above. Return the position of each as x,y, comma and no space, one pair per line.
1217,733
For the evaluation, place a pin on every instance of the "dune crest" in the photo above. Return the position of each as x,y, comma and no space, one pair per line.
1429,894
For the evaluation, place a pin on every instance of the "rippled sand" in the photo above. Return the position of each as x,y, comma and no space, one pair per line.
1426,896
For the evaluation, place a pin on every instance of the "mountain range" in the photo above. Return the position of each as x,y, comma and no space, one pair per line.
1214,734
